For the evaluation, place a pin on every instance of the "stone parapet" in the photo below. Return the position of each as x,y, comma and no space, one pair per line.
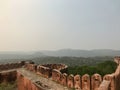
57,73
9,66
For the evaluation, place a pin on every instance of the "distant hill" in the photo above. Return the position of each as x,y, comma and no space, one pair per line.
19,55
82,53
60,53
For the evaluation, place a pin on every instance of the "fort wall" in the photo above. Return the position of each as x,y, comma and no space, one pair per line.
9,66
8,76
78,82
8,71
57,73
24,83
85,82
112,81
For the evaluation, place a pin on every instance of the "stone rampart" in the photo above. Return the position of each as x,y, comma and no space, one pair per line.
9,66
113,79
57,73
46,70
24,83
52,70
8,76
85,82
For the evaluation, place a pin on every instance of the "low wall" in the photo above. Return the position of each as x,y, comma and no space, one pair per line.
46,70
113,80
8,76
61,67
9,66
78,82
24,83
85,82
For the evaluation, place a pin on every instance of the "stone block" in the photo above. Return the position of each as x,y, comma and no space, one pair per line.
86,82
70,81
77,82
96,80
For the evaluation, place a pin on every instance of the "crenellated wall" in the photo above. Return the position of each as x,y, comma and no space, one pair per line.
46,69
57,73
78,82
85,82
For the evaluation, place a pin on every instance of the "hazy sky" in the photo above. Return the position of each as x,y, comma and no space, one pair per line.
27,25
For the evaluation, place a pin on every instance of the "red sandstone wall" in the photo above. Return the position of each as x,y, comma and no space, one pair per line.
45,70
8,76
9,66
85,82
24,83
104,85
112,81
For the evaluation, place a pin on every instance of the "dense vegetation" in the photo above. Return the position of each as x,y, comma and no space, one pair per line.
103,68
70,61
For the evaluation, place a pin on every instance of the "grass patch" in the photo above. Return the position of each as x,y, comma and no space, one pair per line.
8,86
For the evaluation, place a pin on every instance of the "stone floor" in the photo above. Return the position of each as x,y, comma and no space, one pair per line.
41,81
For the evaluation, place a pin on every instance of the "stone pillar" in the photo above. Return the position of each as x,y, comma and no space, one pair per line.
35,68
40,70
77,82
64,79
86,82
47,72
96,80
53,75
56,75
70,81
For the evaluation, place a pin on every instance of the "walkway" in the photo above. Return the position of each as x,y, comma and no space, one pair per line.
43,82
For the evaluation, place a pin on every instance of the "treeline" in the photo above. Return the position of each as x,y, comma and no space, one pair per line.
70,61
103,68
